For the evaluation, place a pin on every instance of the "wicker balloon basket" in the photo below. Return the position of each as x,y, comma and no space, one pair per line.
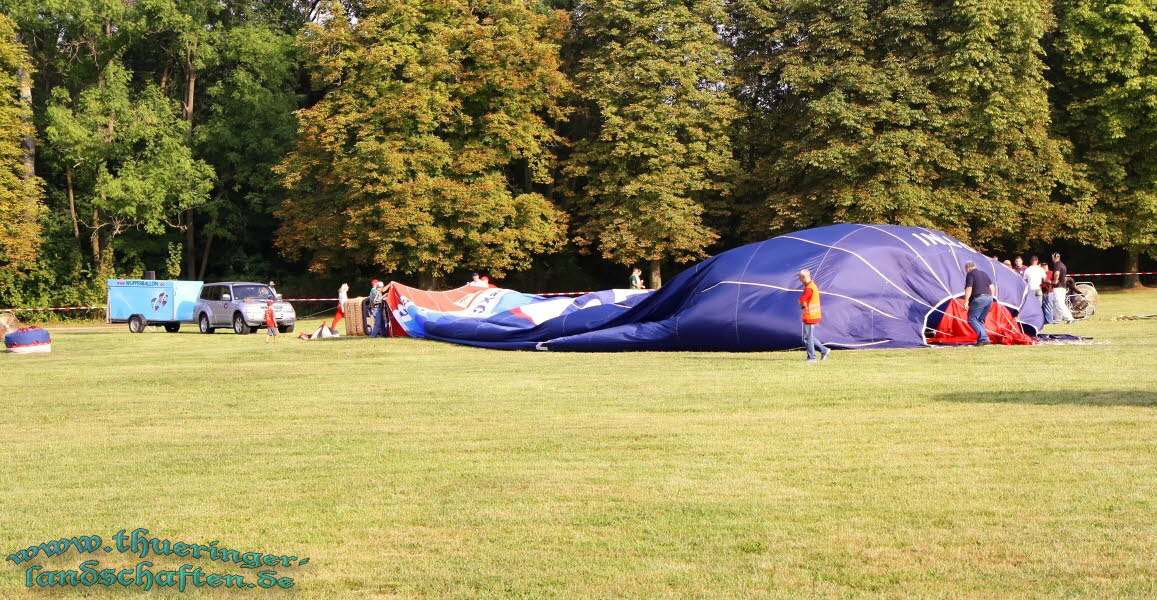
355,317
8,323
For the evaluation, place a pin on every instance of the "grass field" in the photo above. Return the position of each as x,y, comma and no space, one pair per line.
414,469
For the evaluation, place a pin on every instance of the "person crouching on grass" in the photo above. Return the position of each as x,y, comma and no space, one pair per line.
809,303
270,323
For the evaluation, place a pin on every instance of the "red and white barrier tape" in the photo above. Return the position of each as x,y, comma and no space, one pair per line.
547,294
63,308
1111,274
52,308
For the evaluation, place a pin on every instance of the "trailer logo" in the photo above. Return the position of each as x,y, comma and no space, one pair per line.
139,282
159,301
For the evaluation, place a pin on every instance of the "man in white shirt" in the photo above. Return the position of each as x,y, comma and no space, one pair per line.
1033,275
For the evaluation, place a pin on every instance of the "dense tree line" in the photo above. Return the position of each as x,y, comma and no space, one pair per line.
422,138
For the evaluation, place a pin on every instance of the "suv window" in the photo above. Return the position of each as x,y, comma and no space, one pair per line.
257,292
211,292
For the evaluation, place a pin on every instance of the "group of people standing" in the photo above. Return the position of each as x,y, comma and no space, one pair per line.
376,302
1050,286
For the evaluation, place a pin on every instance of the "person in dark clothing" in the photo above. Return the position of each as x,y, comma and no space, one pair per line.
378,304
978,296
1061,312
1019,266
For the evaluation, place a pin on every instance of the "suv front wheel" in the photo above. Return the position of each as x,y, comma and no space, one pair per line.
239,326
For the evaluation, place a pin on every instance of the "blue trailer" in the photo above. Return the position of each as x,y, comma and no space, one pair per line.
144,302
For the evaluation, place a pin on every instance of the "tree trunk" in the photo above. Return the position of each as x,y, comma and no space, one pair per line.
24,76
72,203
97,254
1132,265
656,275
205,257
190,94
190,245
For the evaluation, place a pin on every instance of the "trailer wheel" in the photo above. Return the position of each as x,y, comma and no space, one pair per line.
136,324
172,327
203,324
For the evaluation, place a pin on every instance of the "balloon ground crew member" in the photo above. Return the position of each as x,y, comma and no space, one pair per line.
809,302
979,292
342,298
378,303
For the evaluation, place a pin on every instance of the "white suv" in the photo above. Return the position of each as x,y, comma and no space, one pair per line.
240,305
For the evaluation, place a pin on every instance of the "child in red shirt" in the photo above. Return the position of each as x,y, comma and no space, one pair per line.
270,322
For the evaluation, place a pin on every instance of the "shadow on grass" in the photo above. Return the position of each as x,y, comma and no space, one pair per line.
1054,397
728,357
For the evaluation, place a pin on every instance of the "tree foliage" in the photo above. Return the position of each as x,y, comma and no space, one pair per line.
909,112
244,128
20,190
127,152
655,153
1106,99
435,129
255,139
146,110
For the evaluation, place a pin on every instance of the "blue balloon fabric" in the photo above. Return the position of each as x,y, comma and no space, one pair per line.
882,286
28,340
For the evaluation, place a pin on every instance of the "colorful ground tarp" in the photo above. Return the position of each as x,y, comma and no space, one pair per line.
1001,326
882,286
411,308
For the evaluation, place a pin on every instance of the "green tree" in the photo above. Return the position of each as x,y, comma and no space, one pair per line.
130,167
1105,77
912,112
227,70
246,125
655,154
424,154
20,189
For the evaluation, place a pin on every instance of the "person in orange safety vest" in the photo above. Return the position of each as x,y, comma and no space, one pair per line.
809,303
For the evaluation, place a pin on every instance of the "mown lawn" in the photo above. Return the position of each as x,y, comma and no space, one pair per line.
414,469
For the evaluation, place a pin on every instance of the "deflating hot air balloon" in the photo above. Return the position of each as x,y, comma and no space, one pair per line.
882,286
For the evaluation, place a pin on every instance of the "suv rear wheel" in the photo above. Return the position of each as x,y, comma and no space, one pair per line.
239,326
203,324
